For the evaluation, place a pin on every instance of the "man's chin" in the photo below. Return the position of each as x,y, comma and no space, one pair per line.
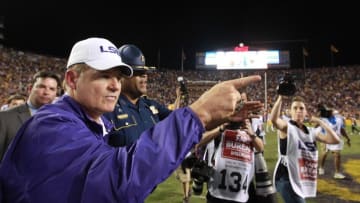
109,108
141,92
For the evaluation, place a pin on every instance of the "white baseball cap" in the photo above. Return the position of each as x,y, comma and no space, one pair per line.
100,54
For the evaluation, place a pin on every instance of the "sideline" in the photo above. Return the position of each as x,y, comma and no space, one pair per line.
347,190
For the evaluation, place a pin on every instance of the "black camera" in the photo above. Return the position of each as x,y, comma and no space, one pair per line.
189,161
200,173
286,86
325,112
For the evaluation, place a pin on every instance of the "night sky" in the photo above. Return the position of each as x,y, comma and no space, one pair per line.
52,27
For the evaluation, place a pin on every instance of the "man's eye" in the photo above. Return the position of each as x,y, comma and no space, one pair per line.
106,76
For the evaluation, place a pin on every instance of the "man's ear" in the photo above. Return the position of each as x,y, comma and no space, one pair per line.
71,78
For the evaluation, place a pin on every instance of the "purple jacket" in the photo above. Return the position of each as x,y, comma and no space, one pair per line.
60,155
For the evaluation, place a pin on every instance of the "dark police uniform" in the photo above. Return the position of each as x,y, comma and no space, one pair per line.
131,120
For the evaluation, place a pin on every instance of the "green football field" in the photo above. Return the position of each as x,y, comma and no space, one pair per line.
170,191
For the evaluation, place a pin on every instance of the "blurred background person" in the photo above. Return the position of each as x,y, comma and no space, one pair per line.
337,123
14,100
183,175
42,90
354,126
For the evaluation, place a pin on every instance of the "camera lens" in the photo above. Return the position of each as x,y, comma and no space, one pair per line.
197,187
200,173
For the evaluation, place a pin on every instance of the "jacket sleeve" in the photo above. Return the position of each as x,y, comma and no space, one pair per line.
158,152
60,153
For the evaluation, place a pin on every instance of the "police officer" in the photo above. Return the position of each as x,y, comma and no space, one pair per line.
134,112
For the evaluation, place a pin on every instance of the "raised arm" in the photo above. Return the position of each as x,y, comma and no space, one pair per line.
257,142
331,137
277,122
178,98
210,135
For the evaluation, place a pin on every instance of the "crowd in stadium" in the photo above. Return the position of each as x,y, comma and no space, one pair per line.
338,87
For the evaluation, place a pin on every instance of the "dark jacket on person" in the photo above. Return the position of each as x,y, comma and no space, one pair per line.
131,120
10,122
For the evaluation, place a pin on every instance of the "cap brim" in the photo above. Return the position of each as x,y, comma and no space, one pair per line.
126,70
143,68
111,63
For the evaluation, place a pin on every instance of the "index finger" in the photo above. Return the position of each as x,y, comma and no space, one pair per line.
243,82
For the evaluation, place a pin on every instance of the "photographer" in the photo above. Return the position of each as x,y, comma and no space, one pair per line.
295,171
232,159
183,90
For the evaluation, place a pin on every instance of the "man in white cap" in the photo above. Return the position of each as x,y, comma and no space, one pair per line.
61,153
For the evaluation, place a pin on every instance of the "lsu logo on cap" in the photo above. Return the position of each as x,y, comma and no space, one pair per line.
109,49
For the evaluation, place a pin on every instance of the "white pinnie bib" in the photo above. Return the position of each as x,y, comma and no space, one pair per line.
301,160
234,167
